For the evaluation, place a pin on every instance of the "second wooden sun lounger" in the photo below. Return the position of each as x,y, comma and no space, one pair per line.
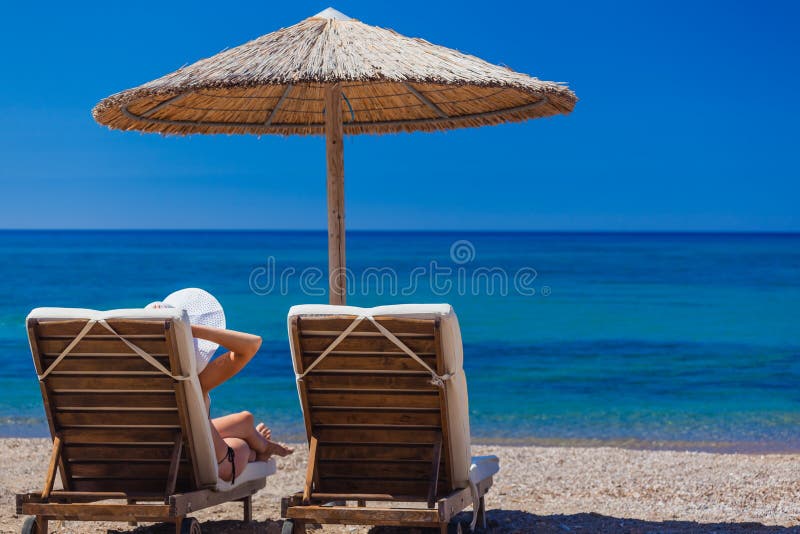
130,430
384,398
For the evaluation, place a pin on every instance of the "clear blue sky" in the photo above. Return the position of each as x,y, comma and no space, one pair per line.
688,120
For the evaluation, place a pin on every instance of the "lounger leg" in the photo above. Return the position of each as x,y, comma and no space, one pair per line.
178,521
299,527
248,508
41,522
132,523
482,513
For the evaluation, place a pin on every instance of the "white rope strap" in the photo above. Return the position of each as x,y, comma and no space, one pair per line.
149,359
436,380
332,346
83,332
89,324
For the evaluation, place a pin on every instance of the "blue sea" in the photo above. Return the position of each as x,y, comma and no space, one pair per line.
685,341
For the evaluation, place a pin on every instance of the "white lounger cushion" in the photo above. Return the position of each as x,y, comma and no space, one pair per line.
453,355
202,442
253,471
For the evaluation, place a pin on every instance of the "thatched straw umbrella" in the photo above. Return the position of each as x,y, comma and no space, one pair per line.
333,75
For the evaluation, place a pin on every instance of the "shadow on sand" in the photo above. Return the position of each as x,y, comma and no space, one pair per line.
518,522
228,526
515,521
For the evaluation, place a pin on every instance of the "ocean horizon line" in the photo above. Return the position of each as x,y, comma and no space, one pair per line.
788,233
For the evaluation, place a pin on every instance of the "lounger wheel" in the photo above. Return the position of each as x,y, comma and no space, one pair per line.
292,527
190,525
30,526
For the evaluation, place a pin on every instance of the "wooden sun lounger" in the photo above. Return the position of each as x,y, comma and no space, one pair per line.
125,442
380,430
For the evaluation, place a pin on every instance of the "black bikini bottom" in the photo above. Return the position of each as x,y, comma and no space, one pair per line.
230,456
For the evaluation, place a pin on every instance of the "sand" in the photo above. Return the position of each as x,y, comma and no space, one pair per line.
539,489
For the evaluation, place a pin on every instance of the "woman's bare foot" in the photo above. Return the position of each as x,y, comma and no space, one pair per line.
264,430
272,447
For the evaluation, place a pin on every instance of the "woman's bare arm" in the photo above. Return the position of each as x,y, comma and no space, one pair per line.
242,348
230,339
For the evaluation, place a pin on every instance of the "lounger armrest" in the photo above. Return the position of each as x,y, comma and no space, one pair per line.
482,467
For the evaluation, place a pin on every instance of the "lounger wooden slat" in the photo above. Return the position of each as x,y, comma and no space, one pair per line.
396,361
413,489
374,468
376,398
71,328
105,383
399,327
380,416
143,470
118,435
116,418
121,365
358,381
372,344
141,486
355,434
376,420
379,451
162,400
105,348
121,424
121,452
105,512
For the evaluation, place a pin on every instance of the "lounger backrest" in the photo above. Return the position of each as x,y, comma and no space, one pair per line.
117,415
372,407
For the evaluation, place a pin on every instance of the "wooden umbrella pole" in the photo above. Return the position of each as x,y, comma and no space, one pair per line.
334,149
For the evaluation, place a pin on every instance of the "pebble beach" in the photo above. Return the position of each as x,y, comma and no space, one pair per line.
538,490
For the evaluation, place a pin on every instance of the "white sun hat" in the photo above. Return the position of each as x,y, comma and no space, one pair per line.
203,309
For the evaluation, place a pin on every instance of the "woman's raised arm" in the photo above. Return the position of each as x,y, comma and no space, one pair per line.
242,347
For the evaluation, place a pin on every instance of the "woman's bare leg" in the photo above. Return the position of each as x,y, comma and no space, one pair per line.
241,425
242,455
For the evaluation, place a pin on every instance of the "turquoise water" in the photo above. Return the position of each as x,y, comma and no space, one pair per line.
655,340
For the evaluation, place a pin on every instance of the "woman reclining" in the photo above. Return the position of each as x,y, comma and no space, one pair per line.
237,440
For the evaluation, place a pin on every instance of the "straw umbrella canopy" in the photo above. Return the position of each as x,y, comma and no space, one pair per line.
333,75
